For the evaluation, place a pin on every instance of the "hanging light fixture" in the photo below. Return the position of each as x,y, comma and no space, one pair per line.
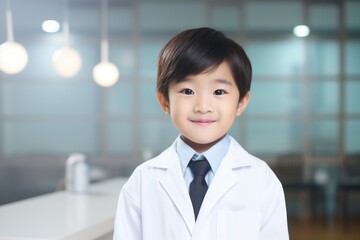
13,56
66,61
50,26
105,73
301,31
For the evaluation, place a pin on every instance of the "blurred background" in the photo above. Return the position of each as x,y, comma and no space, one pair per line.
303,118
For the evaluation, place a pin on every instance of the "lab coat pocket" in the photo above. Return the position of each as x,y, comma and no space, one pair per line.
238,225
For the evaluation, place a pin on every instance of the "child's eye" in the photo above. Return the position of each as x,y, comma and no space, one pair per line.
219,92
187,91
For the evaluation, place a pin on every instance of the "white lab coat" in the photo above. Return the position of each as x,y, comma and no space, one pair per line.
245,200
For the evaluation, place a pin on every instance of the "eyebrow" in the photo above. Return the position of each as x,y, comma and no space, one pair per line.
223,81
217,80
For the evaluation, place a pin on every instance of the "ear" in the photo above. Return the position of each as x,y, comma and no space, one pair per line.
243,104
164,104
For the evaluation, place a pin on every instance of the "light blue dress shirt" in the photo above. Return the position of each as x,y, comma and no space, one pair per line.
214,155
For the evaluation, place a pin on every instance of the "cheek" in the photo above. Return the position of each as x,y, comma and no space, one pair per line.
177,111
173,101
229,107
178,104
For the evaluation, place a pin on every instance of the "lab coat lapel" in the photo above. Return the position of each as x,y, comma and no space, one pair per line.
224,178
173,183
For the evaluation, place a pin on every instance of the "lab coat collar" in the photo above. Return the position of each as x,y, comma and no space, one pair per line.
239,156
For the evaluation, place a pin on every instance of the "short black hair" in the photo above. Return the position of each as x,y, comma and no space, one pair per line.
201,49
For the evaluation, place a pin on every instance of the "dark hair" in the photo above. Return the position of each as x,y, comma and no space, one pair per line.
197,50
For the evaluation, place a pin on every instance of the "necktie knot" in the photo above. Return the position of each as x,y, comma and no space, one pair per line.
200,167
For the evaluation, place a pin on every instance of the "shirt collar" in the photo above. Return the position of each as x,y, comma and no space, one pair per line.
214,154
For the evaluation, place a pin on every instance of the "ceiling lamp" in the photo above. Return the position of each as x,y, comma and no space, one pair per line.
66,61
105,73
50,26
13,56
301,31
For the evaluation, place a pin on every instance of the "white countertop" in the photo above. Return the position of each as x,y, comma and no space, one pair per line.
63,215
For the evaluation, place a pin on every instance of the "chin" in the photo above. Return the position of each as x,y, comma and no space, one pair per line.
204,141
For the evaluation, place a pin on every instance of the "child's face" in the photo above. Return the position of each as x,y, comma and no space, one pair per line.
203,107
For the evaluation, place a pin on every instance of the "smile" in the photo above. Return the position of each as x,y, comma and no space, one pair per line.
203,122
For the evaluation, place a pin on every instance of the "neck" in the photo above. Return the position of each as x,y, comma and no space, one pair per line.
200,147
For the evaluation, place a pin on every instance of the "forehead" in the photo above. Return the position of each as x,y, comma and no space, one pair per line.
219,74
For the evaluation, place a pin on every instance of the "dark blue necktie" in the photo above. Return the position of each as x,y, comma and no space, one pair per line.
198,186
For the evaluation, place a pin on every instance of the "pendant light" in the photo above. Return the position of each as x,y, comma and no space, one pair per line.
301,31
66,61
105,73
13,56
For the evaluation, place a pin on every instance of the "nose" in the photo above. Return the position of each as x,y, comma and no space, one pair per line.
202,105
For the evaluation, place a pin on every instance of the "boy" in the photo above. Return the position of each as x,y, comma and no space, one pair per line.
205,185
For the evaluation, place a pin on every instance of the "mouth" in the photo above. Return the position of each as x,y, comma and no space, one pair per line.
203,122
